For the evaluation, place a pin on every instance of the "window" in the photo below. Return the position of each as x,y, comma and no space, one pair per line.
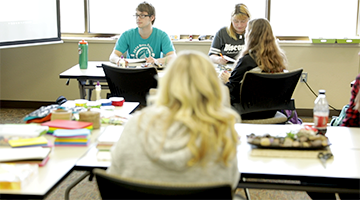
186,17
319,18
72,16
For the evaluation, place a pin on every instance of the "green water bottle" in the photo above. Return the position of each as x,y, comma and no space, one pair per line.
83,54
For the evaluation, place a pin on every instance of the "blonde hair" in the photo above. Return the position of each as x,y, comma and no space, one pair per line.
193,93
241,12
262,46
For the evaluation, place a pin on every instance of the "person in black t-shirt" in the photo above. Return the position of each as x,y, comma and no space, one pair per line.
229,41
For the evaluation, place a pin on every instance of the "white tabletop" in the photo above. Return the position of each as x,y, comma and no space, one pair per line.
92,71
345,143
63,159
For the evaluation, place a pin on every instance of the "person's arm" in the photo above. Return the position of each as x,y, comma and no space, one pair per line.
167,48
115,56
224,76
163,60
121,45
217,59
245,64
216,48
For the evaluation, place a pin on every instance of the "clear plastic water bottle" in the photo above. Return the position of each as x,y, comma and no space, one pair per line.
321,113
122,62
83,54
98,90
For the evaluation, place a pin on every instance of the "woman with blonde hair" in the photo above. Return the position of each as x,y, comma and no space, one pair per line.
229,41
261,52
187,134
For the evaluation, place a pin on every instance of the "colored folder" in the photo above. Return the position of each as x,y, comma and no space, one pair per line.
37,141
67,124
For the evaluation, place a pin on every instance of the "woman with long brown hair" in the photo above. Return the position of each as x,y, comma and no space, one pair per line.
261,53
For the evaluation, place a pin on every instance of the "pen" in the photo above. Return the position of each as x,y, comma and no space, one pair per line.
222,55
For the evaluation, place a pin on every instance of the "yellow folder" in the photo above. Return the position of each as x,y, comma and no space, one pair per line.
28,141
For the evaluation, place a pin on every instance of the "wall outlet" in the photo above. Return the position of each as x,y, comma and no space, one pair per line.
303,77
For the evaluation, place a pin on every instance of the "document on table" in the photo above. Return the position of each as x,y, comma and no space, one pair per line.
228,58
22,130
110,135
22,154
135,60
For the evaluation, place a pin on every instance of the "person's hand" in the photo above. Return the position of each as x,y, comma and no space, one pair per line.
150,60
224,76
126,62
221,60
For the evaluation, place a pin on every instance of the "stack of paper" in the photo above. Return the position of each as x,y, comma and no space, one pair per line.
67,125
109,137
74,137
20,131
30,142
16,176
28,155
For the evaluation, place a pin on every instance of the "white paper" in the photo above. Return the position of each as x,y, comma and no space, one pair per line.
135,60
26,153
22,130
111,134
229,59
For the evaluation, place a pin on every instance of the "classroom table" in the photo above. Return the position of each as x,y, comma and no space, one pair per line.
87,78
342,172
343,168
61,163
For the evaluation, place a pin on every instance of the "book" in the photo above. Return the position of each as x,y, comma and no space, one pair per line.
37,141
16,176
74,133
67,124
22,130
109,137
72,137
24,154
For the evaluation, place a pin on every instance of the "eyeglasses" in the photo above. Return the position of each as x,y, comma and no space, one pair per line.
141,16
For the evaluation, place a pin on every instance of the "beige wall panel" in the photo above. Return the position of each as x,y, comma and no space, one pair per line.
32,73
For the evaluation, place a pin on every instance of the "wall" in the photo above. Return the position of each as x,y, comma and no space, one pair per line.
32,73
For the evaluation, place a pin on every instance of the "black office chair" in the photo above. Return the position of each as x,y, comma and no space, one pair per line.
266,92
117,187
132,84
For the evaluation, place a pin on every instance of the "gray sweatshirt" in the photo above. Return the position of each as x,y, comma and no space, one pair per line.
134,157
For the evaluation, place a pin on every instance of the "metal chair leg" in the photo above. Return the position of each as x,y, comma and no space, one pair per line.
73,184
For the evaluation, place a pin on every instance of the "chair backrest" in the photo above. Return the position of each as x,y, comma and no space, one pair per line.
116,187
267,91
132,84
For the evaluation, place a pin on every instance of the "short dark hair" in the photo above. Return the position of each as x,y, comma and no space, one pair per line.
147,7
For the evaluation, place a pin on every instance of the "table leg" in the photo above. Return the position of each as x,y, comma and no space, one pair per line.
90,90
246,190
82,89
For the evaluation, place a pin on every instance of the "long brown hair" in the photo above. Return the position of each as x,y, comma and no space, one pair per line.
241,12
261,44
